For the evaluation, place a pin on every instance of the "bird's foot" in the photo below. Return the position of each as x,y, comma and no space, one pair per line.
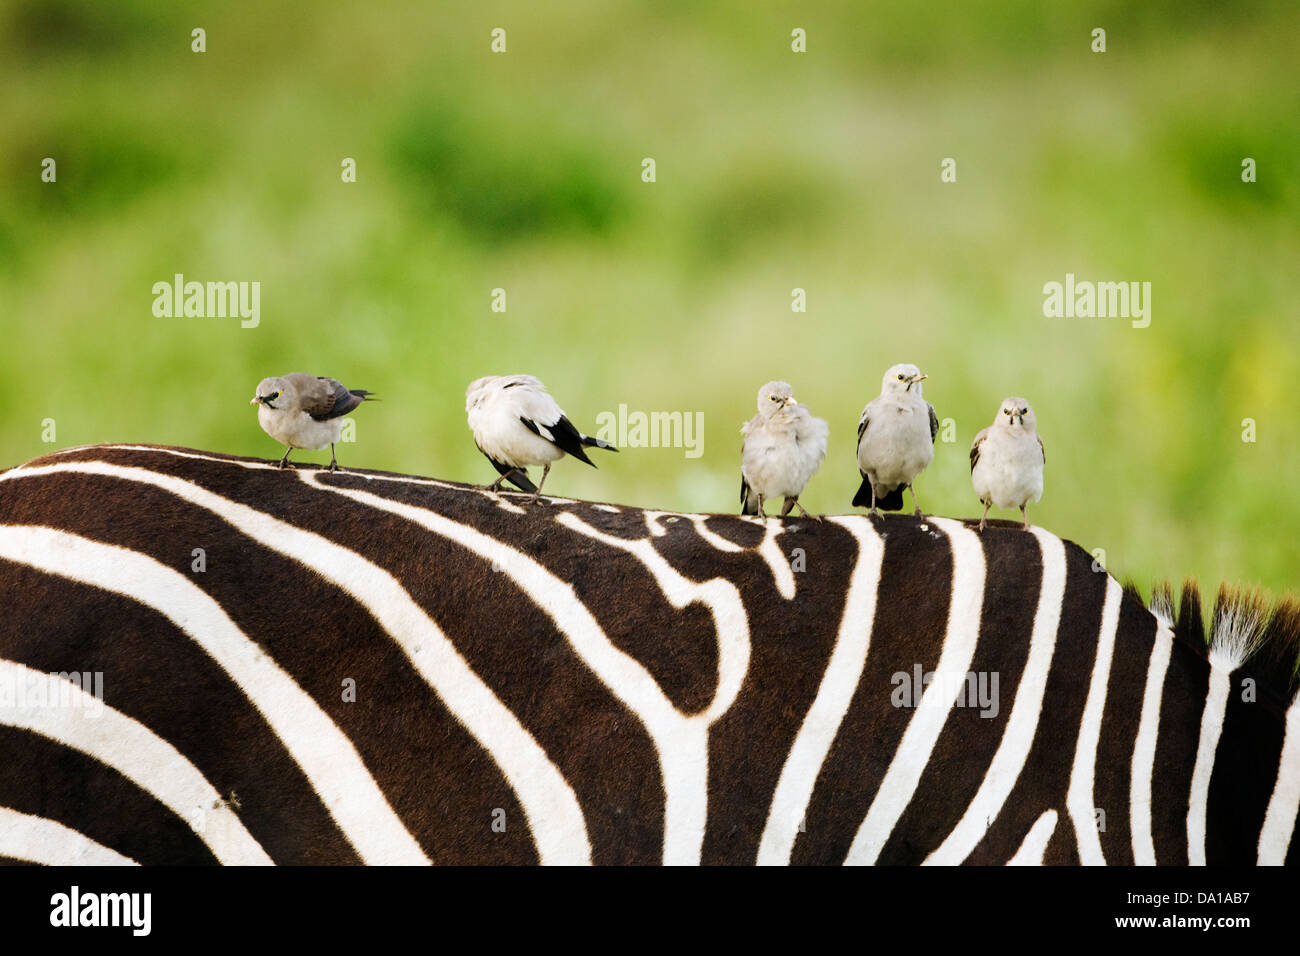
1025,526
982,524
284,464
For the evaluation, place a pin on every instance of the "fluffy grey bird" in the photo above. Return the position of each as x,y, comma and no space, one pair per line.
895,440
305,411
784,446
516,423
1007,459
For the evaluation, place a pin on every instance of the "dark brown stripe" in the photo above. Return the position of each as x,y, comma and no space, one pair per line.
1112,792
48,779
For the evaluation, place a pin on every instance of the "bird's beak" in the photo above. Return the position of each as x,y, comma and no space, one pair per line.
254,400
791,402
913,380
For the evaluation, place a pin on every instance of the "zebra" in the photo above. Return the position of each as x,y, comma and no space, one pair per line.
334,668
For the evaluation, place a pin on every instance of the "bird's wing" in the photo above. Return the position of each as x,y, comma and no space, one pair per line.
975,448
562,435
934,422
1041,449
864,421
324,398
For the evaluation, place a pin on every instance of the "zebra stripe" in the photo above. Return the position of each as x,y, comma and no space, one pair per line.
351,795
1284,803
1211,729
716,705
905,770
1079,800
34,839
1144,752
839,682
125,745
1025,711
1035,843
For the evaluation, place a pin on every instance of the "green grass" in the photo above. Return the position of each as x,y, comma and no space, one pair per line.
774,171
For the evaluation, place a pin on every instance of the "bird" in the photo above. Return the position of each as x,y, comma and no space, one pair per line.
1007,459
895,440
783,448
516,423
305,411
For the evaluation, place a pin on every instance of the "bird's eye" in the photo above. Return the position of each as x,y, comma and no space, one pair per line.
274,396
900,378
1024,411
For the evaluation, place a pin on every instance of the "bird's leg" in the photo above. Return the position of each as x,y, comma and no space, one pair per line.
914,501
496,485
785,509
802,510
537,494
873,499
984,516
334,462
1025,516
284,462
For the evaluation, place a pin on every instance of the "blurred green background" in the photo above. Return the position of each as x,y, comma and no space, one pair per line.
775,170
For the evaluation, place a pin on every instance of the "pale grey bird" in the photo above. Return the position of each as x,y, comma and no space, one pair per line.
516,423
1007,459
783,448
305,411
895,440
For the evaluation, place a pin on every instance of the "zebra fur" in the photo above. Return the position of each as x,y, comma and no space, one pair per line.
612,685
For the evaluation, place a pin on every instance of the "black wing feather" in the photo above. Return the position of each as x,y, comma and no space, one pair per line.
563,436
520,477
344,401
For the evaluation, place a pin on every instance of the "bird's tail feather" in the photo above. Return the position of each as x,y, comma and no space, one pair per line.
748,501
597,443
364,394
893,501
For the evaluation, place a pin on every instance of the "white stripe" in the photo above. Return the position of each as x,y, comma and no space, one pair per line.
776,560
49,843
838,685
1079,796
711,539
550,805
913,753
1144,749
1022,725
1279,821
1035,843
136,752
1216,705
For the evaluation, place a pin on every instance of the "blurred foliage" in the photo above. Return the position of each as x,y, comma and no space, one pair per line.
774,171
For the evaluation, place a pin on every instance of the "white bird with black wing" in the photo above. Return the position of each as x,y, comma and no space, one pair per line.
517,424
305,411
1007,460
784,446
895,440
